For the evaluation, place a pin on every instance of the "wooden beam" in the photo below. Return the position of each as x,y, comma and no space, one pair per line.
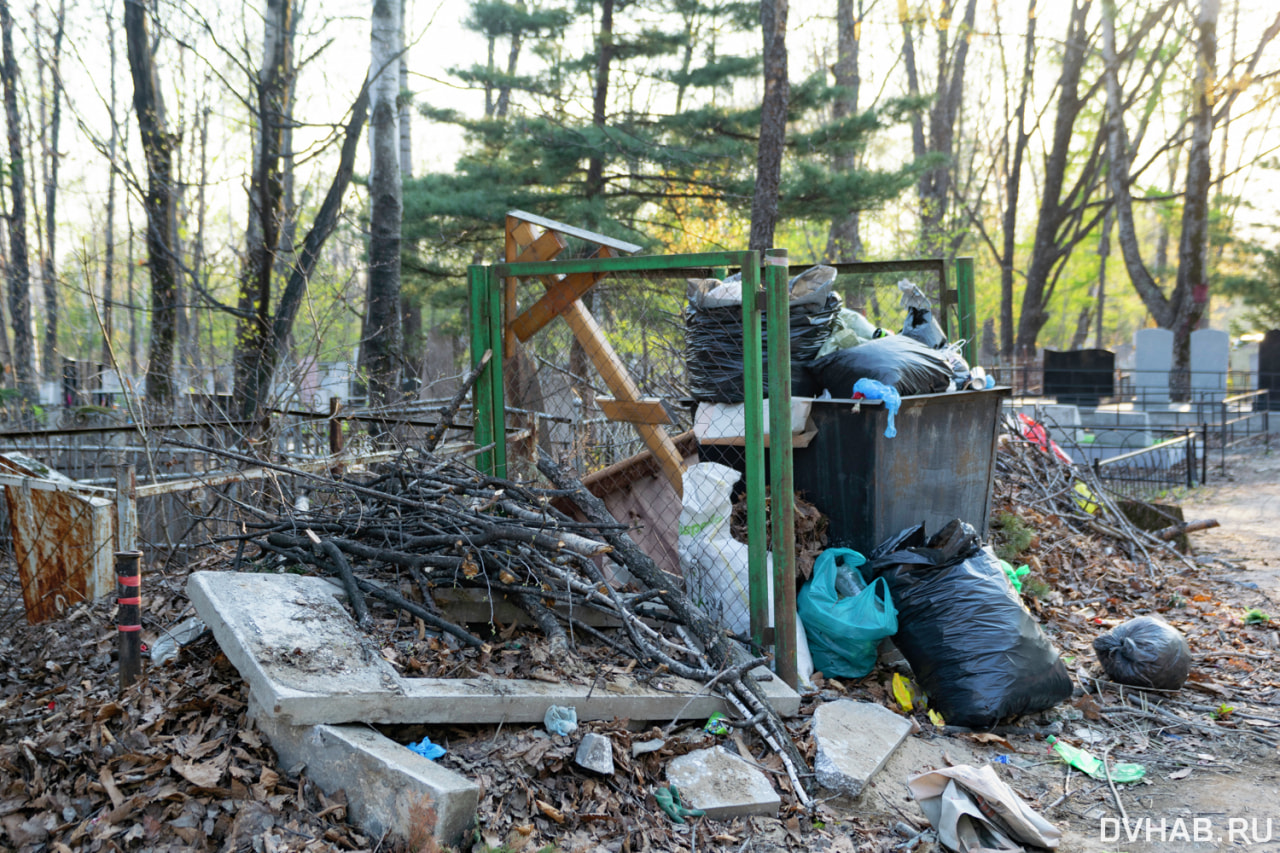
650,410
613,371
559,296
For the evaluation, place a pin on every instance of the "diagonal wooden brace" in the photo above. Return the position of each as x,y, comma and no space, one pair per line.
560,295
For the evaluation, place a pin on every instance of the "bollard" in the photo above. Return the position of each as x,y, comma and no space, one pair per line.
129,615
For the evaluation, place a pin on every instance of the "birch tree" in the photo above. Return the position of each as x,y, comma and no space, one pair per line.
19,273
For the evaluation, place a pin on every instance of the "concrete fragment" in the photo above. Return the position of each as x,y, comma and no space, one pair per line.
854,741
722,784
389,788
595,753
645,747
306,661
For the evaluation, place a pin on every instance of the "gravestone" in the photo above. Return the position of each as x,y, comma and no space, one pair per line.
1152,361
1079,377
1210,359
1269,368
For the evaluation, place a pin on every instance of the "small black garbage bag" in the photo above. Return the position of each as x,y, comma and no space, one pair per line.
1145,652
921,326
897,361
974,648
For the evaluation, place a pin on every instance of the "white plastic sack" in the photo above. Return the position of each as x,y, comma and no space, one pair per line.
974,811
715,565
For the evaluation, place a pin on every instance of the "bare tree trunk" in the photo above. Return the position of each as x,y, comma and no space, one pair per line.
600,100
19,278
1052,243
380,350
266,198
844,241
1193,247
1100,295
49,275
1014,184
773,125
411,302
108,270
935,184
157,145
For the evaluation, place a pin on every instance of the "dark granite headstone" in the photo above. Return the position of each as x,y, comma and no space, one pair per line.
1269,368
1080,377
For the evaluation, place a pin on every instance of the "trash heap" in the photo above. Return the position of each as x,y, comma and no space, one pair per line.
833,348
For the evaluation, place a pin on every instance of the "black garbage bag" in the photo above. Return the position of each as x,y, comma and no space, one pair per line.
896,360
921,326
972,645
713,337
1145,652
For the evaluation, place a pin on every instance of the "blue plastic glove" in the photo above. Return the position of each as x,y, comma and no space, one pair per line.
873,390
427,749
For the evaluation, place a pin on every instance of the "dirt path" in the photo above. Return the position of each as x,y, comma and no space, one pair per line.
1247,504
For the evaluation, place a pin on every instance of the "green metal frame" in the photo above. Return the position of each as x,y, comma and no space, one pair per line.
959,301
486,287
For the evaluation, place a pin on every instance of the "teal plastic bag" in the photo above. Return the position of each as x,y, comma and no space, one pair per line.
844,633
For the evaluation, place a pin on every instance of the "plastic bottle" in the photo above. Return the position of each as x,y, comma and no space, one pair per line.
1091,765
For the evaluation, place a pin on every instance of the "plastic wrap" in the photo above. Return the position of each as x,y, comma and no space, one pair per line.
974,648
1145,652
897,361
713,333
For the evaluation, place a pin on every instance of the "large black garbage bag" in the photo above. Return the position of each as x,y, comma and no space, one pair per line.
1145,652
973,647
898,361
713,336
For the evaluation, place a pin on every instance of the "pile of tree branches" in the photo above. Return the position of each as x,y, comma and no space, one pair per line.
446,524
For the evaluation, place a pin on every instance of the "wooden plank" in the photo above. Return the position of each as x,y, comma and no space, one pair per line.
559,296
610,366
650,410
545,248
580,233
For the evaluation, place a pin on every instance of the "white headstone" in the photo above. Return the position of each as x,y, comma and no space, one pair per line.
1244,367
1210,359
1152,361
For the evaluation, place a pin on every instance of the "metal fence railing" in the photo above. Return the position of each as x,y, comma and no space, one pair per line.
1149,472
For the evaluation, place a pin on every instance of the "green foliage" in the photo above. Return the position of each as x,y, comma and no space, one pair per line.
1257,285
1010,536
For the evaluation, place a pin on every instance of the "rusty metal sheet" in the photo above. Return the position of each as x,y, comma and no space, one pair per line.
62,542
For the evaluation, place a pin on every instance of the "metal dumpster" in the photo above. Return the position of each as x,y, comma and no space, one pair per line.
940,465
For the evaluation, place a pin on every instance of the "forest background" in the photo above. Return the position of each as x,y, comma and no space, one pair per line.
213,194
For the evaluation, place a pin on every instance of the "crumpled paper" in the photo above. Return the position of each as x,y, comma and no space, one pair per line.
974,811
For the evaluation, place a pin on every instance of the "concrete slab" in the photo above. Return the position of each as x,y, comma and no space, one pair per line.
722,784
307,662
854,740
389,788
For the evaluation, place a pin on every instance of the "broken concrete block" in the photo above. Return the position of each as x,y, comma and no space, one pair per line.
722,784
854,741
595,753
389,787
306,660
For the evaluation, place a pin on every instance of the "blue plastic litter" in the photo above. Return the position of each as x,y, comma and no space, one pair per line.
561,720
427,749
873,390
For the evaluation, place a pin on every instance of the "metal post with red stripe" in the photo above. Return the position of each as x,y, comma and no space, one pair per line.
129,615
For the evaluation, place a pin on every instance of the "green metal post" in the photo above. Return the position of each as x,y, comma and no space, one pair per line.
782,491
753,410
481,342
966,307
497,387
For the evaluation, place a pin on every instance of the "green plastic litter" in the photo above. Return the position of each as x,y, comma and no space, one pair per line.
716,724
1015,576
1089,764
669,801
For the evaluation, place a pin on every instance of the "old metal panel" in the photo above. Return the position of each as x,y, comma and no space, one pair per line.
62,542
940,466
